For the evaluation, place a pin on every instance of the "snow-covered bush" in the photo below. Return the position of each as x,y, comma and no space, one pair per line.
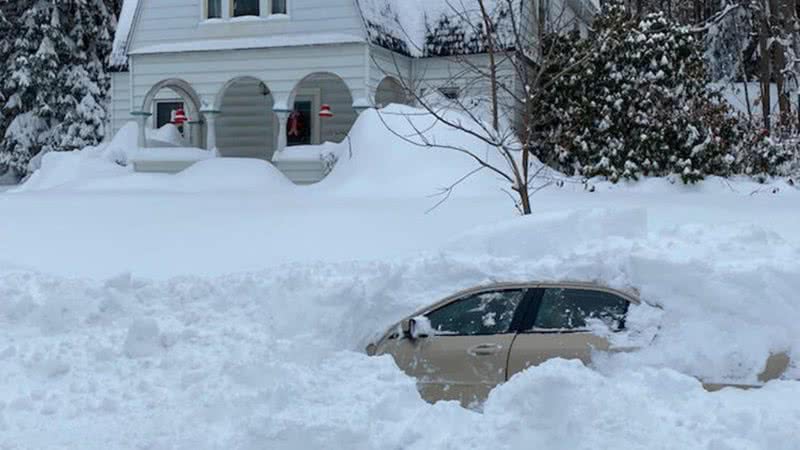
638,106
763,156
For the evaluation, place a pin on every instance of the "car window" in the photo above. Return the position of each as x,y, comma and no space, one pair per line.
485,313
573,309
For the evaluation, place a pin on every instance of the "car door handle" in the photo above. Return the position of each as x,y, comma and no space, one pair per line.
485,349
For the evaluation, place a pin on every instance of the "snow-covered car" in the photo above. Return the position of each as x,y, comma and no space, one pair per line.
461,347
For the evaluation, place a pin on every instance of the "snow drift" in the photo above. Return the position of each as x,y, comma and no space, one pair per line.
400,151
272,355
275,358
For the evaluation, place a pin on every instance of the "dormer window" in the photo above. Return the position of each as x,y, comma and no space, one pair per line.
246,8
227,9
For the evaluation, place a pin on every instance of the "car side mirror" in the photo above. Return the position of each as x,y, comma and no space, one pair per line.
416,328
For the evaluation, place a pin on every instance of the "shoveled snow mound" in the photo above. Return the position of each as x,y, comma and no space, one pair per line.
273,359
209,175
391,158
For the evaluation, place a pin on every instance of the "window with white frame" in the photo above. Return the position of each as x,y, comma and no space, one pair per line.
224,9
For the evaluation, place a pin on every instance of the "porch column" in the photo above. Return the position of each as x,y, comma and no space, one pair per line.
192,127
283,120
141,119
211,128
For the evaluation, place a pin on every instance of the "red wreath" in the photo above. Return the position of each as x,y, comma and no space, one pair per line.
296,124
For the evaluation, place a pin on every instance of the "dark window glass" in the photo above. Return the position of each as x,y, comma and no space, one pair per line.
245,8
214,9
278,6
298,127
164,111
487,313
570,309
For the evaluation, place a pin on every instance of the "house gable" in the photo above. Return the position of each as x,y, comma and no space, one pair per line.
159,24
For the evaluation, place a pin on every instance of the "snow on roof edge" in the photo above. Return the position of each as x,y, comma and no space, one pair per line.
119,54
250,43
422,28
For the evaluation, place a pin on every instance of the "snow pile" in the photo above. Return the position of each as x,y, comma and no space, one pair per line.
206,175
274,358
60,169
401,151
108,167
166,136
553,232
232,174
395,152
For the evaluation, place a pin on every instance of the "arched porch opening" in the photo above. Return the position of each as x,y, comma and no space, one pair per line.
305,126
389,91
161,103
246,126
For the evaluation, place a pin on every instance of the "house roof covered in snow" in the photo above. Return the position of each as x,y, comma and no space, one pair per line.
119,52
416,28
422,28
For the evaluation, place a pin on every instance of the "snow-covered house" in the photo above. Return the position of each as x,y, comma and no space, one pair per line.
244,69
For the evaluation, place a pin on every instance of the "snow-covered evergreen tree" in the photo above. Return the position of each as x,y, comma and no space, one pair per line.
639,106
55,83
5,49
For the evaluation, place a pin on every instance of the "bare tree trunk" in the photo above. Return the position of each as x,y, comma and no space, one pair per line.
763,45
487,21
747,93
778,52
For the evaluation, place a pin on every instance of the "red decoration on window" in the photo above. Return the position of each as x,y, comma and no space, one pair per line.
180,117
295,124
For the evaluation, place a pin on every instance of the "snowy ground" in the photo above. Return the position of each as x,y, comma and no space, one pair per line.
224,308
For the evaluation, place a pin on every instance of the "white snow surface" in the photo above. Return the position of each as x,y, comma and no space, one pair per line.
225,308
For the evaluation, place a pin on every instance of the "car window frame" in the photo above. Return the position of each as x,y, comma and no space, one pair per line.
516,320
526,327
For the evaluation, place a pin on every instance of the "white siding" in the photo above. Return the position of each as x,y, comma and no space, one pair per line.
435,73
246,127
280,68
120,108
384,63
169,21
334,93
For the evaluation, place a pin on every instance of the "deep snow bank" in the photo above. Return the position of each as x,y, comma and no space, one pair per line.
215,175
273,359
396,152
401,151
